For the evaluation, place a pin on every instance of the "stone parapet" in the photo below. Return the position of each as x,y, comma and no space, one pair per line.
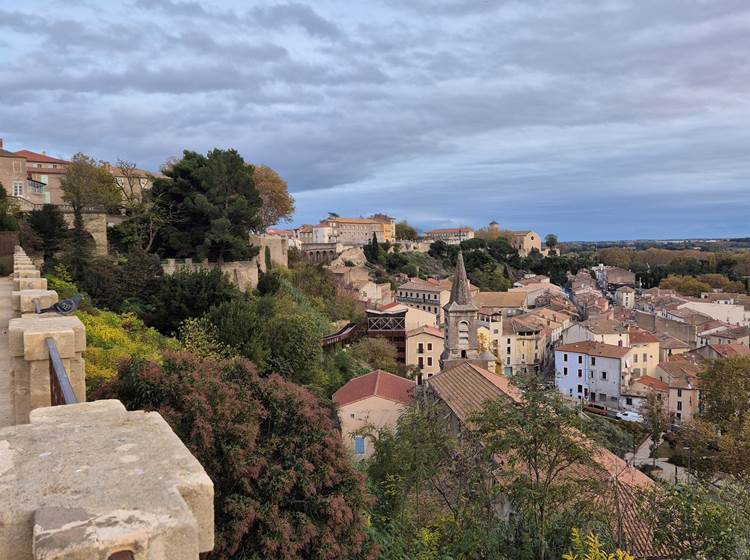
86,481
23,300
29,284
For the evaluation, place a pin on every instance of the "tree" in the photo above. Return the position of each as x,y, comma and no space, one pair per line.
615,256
538,441
277,203
240,324
689,522
294,350
373,251
551,241
377,353
8,220
283,484
685,285
656,419
186,294
49,225
217,205
144,216
85,184
405,231
725,393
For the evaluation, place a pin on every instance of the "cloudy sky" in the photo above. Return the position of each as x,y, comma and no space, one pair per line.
593,119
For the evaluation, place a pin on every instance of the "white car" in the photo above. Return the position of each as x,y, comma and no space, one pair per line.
629,416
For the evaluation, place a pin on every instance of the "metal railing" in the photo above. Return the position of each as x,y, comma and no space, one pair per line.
61,391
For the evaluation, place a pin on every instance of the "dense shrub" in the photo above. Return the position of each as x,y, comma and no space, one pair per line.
186,294
284,486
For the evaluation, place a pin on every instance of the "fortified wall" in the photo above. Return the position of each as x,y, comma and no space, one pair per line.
78,480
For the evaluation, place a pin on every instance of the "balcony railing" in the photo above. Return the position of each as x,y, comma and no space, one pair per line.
61,391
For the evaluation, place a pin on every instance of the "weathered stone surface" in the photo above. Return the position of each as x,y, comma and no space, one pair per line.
29,284
23,300
26,274
82,482
32,330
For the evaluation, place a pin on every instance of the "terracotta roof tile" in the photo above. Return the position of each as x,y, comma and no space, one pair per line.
595,349
376,383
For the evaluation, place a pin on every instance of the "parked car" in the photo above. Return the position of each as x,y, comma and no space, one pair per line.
629,416
595,408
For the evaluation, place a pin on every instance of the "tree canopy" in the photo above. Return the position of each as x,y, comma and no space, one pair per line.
277,204
215,203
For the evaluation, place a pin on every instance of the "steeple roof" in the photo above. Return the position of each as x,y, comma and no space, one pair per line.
460,292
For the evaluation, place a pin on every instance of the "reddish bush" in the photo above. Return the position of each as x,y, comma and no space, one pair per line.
284,485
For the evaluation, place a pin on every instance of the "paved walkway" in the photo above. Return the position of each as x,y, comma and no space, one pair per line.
668,472
6,314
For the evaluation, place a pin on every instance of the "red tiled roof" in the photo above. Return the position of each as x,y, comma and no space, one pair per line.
594,349
652,382
730,350
640,336
377,383
426,329
39,158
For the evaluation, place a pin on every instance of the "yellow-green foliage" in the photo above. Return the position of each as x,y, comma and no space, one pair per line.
61,282
112,338
589,548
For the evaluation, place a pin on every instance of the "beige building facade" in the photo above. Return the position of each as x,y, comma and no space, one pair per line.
451,236
423,348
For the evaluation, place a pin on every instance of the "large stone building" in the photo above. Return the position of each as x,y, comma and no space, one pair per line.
451,236
526,241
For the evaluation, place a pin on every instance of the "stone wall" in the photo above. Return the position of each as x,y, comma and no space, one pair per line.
656,324
96,224
278,248
243,274
85,481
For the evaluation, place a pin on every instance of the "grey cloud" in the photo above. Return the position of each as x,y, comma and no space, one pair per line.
293,13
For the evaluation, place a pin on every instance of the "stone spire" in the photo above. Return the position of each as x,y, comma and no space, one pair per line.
460,293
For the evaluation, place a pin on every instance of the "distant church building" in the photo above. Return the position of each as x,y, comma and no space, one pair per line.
461,323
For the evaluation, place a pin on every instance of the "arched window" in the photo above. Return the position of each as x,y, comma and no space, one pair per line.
463,334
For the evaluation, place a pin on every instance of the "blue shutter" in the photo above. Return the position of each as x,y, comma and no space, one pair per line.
359,445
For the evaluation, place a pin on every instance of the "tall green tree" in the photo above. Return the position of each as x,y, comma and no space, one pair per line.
215,205
405,231
49,225
538,441
86,183
656,419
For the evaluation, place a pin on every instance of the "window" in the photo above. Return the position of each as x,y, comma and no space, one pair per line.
679,405
508,350
17,188
359,445
565,356
420,362
429,360
580,373
420,348
635,358
628,400
679,392
429,346
565,371
645,357
463,333
593,360
580,359
508,362
580,388
604,376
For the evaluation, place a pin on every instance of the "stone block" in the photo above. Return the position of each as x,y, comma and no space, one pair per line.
23,300
85,481
27,336
26,274
29,284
